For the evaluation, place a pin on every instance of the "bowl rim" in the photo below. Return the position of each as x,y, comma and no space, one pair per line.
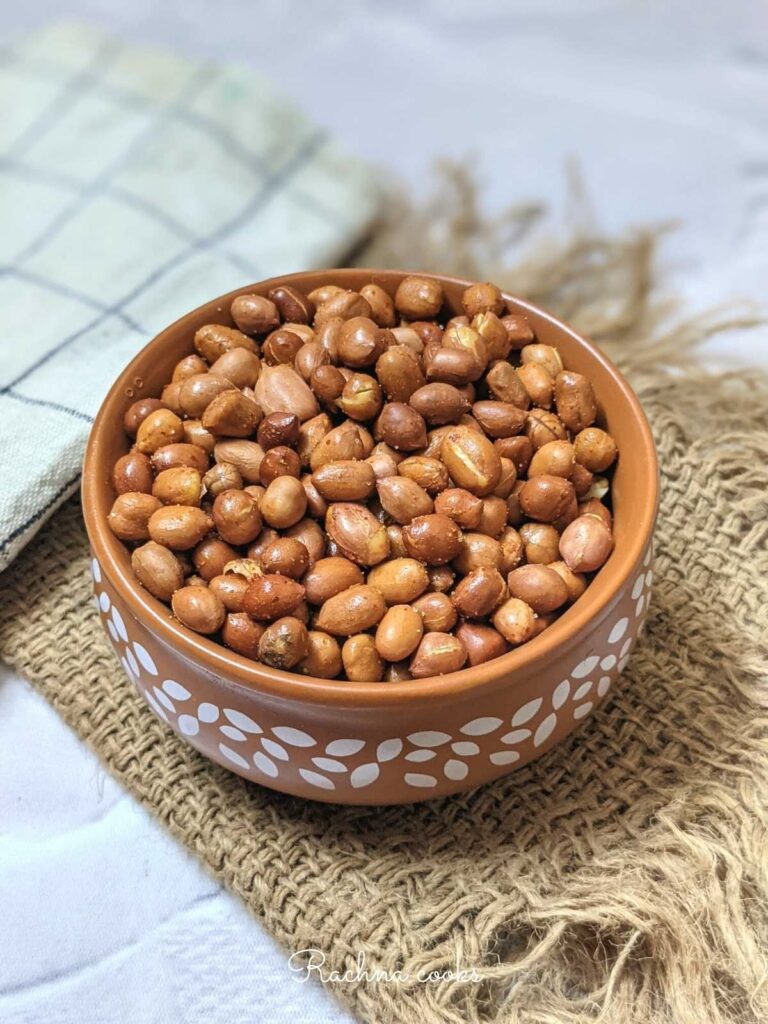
239,671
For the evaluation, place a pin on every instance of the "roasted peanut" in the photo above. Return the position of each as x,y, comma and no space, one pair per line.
542,426
286,556
403,499
451,366
329,576
441,578
284,644
357,533
437,612
327,383
198,608
361,660
434,539
309,358
157,429
254,314
230,590
345,304
505,385
471,460
345,480
555,458
482,298
231,414
281,389
401,427
428,473
196,434
595,449
399,372
172,455
519,331
361,397
538,383
282,347
221,477
382,306
199,391
463,338
242,635
479,593
158,570
340,444
575,400
132,472
546,498
482,643
323,657
284,502
518,450
293,304
463,508
279,428
178,486
541,543
245,456
419,298
575,582
438,654
239,366
399,580
399,632
136,414
543,355
213,340
361,342
311,536
279,461
499,419
237,517
212,556
539,586
351,611
493,516
477,551
439,403
271,596
494,334
515,621
131,513
585,544
595,507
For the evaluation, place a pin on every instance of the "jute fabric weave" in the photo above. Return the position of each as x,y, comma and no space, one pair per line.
621,878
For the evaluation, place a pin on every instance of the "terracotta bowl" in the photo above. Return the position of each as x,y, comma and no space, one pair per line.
378,743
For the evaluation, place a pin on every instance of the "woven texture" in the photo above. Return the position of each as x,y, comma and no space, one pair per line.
622,877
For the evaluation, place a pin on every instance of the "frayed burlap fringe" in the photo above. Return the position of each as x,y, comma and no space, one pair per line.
623,877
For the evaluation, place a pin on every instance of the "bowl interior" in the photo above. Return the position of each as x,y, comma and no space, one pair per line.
634,496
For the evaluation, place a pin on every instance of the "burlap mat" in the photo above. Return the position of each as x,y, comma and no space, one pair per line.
621,878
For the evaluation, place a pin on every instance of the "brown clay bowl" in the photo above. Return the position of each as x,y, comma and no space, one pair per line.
378,743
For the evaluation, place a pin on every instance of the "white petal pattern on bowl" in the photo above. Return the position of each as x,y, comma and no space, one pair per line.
533,722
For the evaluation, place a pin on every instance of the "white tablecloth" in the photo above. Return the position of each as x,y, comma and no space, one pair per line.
664,106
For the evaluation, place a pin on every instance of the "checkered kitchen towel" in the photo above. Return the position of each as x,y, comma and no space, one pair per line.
135,185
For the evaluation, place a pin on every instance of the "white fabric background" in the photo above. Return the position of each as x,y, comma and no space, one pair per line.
664,106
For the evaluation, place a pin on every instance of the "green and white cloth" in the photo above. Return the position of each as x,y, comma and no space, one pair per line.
135,185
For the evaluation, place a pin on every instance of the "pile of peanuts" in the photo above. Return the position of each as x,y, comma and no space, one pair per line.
353,486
